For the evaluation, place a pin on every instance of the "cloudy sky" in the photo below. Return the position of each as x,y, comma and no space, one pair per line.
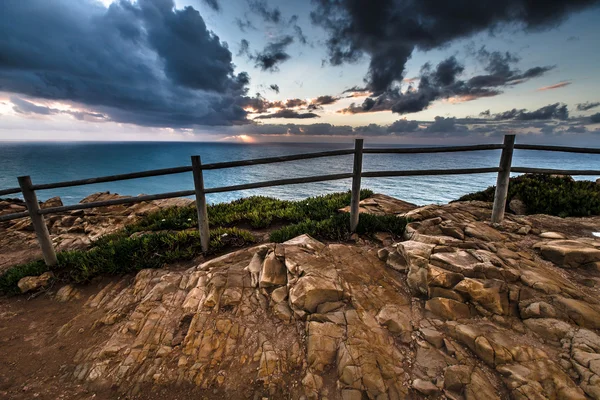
323,70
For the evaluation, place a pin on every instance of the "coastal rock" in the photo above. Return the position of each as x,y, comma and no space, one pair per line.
32,283
518,207
460,310
570,253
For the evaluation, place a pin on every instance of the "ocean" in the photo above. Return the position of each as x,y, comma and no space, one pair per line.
53,162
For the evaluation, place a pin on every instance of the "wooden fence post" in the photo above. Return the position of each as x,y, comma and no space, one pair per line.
201,203
37,220
357,171
503,179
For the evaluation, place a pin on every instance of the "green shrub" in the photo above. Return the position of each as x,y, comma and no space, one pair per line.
544,194
170,235
118,254
337,227
257,211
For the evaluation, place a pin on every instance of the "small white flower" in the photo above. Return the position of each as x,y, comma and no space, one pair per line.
163,220
223,235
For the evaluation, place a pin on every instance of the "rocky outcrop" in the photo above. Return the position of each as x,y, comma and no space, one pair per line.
458,309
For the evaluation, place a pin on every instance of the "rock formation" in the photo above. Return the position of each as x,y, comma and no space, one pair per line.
459,309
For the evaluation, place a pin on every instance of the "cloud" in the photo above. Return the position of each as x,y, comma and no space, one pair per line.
260,7
286,113
595,118
273,54
587,106
390,31
214,4
555,86
443,82
22,106
291,103
403,125
245,24
552,111
298,30
274,88
145,63
244,49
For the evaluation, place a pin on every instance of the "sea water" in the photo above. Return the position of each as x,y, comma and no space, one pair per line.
54,162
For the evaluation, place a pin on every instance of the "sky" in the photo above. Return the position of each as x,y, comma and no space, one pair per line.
392,71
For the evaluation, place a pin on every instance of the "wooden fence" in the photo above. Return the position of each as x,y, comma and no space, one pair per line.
504,169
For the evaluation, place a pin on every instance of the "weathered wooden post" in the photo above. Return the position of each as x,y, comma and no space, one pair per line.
37,220
503,179
357,171
201,203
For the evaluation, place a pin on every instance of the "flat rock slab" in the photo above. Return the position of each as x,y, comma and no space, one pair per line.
569,253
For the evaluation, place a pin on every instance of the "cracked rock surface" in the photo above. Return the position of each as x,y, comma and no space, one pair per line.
457,309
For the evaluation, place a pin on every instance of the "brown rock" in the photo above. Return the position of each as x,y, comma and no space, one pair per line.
491,294
518,207
448,309
425,387
52,202
31,283
569,253
310,291
273,273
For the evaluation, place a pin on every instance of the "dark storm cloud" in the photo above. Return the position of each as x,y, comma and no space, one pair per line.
274,88
273,54
552,111
145,63
260,7
587,106
441,82
403,125
288,114
214,4
23,106
500,70
595,118
390,31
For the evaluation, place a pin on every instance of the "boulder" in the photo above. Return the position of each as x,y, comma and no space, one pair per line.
310,291
569,253
273,272
52,202
31,283
518,207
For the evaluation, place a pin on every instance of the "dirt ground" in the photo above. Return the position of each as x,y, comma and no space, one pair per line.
37,364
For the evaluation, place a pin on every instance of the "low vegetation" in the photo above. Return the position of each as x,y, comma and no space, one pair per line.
551,195
170,235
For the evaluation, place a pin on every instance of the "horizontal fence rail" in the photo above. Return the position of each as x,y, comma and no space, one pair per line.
565,149
428,172
271,160
503,170
526,170
424,150
4,192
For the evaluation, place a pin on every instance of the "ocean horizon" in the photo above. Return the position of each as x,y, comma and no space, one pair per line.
48,162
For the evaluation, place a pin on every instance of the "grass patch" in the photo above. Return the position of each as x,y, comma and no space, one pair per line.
337,227
119,254
544,194
257,211
170,235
